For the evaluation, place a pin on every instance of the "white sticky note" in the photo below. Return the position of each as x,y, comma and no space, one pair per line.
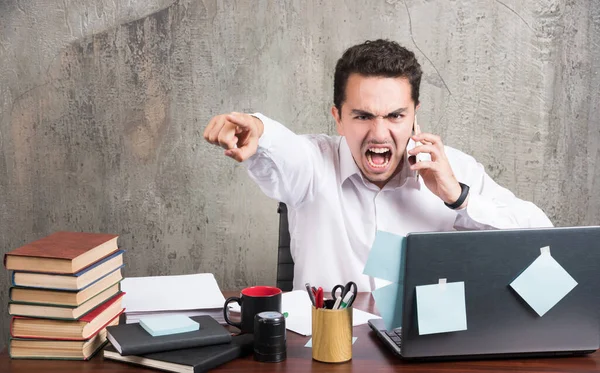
441,307
544,283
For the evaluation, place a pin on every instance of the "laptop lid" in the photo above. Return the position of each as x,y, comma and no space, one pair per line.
499,321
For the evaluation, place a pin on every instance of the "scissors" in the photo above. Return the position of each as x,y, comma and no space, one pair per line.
349,287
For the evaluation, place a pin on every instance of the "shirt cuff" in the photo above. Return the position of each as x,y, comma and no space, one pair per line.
479,212
266,139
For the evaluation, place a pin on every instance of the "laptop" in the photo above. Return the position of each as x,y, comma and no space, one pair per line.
500,324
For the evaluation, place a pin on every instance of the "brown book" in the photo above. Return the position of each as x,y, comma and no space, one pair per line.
61,252
75,282
62,312
64,298
76,330
52,349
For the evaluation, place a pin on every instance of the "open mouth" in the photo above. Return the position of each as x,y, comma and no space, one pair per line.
378,158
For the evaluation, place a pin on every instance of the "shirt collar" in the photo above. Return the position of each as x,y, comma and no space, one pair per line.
349,168
347,165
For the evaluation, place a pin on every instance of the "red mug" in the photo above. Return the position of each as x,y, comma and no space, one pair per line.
253,300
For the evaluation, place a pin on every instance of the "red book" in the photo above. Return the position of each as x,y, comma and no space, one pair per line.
61,252
77,330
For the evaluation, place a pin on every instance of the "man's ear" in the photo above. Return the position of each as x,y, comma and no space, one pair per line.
338,122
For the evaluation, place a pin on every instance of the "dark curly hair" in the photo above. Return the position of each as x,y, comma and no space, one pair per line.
382,58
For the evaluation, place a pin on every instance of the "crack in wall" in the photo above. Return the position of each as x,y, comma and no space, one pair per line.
517,14
423,53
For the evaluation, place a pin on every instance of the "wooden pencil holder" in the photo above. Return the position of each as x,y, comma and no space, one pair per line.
332,335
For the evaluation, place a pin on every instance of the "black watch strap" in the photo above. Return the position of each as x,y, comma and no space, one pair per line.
463,196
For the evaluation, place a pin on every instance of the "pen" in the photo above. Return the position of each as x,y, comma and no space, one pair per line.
310,294
337,303
319,298
346,300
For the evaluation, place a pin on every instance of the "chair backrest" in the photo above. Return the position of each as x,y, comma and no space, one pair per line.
285,263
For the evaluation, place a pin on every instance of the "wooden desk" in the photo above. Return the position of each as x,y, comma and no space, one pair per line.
368,355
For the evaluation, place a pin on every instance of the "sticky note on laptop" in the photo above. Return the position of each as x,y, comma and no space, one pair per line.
388,300
385,257
441,307
544,283
385,265
168,324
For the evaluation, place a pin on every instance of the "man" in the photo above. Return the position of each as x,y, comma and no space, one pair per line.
341,190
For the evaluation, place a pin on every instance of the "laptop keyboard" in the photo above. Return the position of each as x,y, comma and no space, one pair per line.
395,336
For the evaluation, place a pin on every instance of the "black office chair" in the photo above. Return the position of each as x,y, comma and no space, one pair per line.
285,263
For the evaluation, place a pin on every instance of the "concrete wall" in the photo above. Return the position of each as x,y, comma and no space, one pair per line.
103,105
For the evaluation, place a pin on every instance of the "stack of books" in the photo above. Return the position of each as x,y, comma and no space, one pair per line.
65,292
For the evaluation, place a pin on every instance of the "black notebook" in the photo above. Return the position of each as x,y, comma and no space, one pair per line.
189,360
132,339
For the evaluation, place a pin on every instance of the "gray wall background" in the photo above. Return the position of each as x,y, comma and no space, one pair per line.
103,105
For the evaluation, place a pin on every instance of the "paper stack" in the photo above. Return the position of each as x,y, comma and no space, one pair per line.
187,295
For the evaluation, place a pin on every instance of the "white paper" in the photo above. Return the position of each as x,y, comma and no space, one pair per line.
361,317
171,293
299,308
216,314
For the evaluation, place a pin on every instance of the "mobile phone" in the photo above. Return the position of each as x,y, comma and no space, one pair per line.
412,159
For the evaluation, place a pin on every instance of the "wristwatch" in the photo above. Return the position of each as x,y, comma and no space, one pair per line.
463,196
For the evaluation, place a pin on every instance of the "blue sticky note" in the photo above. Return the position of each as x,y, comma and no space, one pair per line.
441,307
544,283
169,324
388,300
385,258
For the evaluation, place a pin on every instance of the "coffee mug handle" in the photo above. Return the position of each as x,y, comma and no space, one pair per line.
225,314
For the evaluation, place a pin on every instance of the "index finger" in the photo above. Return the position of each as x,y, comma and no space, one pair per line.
428,137
244,121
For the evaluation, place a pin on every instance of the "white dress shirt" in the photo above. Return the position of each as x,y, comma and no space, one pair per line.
334,211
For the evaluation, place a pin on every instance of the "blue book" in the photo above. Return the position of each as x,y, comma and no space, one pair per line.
168,324
66,282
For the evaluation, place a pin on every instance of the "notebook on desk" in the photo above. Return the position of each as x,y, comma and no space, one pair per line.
499,321
133,339
189,360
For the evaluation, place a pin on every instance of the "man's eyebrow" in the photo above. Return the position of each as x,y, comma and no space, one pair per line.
398,111
361,112
367,114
